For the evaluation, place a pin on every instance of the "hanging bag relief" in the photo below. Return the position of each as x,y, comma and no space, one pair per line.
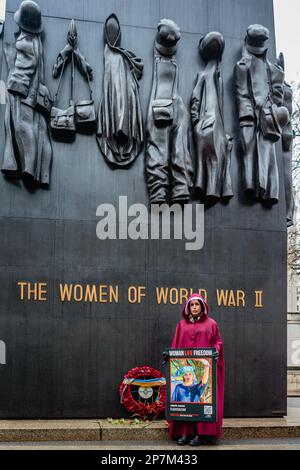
62,123
85,113
44,101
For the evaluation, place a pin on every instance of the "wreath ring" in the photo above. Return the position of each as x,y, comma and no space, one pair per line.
145,376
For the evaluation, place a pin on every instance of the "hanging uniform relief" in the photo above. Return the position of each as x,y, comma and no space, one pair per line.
28,151
212,144
169,168
259,87
287,148
120,126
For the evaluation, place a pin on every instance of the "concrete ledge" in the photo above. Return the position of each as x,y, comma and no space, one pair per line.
102,430
153,431
259,428
232,429
49,430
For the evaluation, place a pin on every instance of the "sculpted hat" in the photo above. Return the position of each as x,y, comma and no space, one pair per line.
29,17
280,118
211,46
256,37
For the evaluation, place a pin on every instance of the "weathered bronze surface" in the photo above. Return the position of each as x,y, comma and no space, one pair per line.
80,115
213,146
120,126
287,148
28,150
259,86
65,55
169,166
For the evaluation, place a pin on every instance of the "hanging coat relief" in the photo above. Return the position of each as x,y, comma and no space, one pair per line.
120,127
259,86
287,148
212,144
169,168
28,150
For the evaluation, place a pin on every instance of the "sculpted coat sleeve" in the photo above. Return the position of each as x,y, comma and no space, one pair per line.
25,66
63,57
277,85
244,102
83,65
196,99
247,123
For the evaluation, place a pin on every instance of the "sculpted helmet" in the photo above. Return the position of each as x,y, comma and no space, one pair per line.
29,17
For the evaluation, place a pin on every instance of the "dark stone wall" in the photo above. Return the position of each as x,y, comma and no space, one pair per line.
67,359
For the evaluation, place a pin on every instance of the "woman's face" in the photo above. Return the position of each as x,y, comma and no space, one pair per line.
188,378
195,308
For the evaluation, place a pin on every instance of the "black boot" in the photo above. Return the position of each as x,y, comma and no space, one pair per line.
183,440
196,441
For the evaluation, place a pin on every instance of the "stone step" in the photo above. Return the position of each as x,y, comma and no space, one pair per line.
103,430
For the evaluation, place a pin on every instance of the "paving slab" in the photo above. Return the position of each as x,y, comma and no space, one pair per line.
118,446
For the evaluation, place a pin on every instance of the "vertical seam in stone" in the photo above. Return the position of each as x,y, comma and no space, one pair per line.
100,429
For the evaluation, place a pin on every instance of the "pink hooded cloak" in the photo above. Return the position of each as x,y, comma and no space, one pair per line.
203,333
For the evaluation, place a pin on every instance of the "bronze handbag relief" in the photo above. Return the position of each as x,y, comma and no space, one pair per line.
85,114
44,101
163,112
62,122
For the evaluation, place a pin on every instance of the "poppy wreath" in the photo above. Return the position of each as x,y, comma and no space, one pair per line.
144,410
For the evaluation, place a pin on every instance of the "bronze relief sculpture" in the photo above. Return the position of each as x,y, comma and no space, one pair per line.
28,150
120,126
287,148
80,116
259,87
169,168
212,144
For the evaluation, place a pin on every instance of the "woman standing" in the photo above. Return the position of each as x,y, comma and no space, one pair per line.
197,330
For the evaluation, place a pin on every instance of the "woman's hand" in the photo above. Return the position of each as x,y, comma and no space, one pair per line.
215,355
165,356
